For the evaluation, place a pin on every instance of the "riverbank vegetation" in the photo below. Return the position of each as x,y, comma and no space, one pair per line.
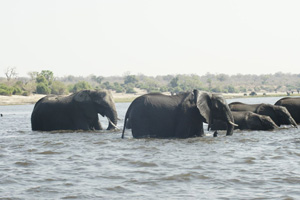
45,82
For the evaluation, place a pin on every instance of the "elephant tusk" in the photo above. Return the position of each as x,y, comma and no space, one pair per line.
233,124
112,124
294,124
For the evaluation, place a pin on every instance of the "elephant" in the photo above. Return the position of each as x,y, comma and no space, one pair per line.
247,120
156,115
292,104
78,111
279,114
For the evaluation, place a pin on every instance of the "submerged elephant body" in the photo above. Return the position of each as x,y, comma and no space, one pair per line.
181,116
279,114
78,111
292,104
247,120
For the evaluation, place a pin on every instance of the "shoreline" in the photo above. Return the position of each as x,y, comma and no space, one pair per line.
32,99
118,97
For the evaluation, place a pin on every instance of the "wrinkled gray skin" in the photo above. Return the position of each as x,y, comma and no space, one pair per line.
247,120
156,115
279,114
292,105
78,111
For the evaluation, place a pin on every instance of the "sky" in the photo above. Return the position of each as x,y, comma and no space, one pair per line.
150,37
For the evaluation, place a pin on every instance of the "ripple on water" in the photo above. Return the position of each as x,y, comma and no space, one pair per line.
70,197
48,152
24,163
249,160
118,189
185,177
138,163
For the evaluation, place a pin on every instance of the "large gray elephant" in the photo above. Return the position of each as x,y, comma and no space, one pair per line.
247,120
292,104
279,114
156,115
78,111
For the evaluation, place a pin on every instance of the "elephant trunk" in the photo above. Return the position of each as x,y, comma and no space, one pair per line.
268,123
230,122
293,122
112,118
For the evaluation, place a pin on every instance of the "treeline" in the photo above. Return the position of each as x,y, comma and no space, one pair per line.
45,82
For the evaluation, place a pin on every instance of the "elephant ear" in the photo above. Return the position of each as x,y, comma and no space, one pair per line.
266,109
82,96
203,102
99,96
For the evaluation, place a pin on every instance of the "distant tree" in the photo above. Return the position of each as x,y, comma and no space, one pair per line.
42,88
49,76
33,75
209,81
107,85
71,78
41,79
190,82
264,79
10,73
242,89
42,85
174,82
149,84
130,79
29,87
216,89
163,89
97,79
231,89
82,85
130,90
58,88
279,74
5,90
222,77
118,88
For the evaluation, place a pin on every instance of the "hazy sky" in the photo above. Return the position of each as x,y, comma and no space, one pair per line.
74,37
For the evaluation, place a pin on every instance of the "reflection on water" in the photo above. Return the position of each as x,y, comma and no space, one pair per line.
100,165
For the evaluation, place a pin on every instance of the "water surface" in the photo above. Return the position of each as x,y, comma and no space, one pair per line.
101,165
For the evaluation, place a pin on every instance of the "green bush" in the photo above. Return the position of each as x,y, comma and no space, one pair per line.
58,88
5,90
82,85
163,89
118,87
42,88
130,90
231,89
17,90
216,89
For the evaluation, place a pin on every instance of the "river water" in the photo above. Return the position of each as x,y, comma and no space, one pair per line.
101,165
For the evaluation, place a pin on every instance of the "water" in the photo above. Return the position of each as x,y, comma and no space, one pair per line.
100,165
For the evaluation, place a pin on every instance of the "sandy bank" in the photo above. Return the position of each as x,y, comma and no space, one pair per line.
32,99
118,97
19,100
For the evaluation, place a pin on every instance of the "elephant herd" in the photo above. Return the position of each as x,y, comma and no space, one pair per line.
156,115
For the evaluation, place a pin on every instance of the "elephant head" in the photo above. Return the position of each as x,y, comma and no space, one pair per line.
98,102
259,122
279,114
214,107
